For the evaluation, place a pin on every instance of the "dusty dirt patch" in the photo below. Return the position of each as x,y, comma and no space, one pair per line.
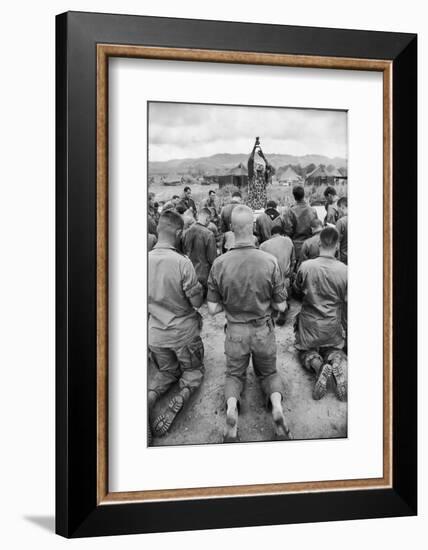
202,420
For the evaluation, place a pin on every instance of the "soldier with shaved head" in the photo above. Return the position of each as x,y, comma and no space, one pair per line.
247,284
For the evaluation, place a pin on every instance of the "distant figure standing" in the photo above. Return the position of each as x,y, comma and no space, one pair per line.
212,205
342,229
200,246
332,211
187,201
265,221
296,221
282,248
247,284
259,175
175,344
319,333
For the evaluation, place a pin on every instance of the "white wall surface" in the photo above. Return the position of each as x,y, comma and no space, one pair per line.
27,271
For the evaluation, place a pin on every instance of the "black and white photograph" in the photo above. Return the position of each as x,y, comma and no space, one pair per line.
247,273
191,354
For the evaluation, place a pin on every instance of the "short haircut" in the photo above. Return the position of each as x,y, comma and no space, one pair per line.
237,194
180,208
343,201
205,212
211,191
187,188
330,191
242,218
276,230
298,192
271,204
175,197
316,223
329,237
170,221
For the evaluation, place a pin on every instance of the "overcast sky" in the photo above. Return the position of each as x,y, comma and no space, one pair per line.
179,131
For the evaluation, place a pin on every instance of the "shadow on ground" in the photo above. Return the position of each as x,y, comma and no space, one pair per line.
45,522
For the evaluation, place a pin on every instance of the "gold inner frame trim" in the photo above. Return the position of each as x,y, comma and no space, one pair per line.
104,51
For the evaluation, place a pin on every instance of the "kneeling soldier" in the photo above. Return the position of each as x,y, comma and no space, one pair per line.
323,282
247,283
175,345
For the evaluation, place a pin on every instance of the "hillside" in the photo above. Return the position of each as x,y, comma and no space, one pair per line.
223,161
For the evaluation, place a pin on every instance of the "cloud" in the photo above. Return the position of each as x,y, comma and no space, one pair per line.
193,130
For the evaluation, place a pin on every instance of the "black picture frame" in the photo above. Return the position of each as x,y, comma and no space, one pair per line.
77,512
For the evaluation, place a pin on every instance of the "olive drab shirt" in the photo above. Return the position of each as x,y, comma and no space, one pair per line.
213,207
283,250
323,282
172,281
264,224
188,202
296,221
246,280
200,246
310,248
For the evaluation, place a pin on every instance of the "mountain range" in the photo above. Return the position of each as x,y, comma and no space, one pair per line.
217,163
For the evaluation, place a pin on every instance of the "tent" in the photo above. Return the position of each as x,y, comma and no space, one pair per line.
319,176
334,172
238,176
288,176
240,170
337,175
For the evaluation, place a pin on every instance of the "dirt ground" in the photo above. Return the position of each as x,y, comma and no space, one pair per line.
203,418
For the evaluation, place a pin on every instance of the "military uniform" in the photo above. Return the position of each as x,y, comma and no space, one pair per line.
332,214
226,216
318,328
246,281
212,206
264,224
188,202
175,344
310,248
283,250
296,223
200,246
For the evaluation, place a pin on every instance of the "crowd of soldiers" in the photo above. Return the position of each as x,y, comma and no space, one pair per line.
248,270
